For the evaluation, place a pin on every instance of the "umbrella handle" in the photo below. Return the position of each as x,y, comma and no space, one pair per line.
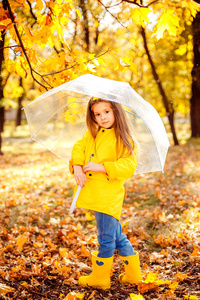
77,193
75,199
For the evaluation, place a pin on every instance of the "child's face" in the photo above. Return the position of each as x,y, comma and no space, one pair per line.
103,114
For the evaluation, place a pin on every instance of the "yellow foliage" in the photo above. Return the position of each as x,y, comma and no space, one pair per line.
4,289
168,21
181,50
63,252
136,297
152,278
180,276
74,296
21,240
191,5
39,5
174,285
140,15
78,12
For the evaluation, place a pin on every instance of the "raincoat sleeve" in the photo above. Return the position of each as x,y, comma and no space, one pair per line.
123,168
78,153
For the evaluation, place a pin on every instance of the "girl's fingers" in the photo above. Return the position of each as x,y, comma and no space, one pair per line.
80,180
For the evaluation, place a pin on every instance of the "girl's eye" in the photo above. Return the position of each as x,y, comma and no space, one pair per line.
107,111
97,115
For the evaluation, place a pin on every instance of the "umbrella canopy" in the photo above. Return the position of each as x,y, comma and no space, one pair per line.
57,118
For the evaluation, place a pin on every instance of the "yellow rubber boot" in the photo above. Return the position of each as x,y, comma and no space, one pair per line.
132,269
100,276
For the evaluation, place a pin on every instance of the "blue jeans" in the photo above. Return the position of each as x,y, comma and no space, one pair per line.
110,237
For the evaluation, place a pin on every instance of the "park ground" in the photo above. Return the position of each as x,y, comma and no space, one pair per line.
44,249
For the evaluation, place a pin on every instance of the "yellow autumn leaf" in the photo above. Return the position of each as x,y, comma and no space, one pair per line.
21,240
37,245
5,22
160,282
180,276
151,278
168,21
140,15
84,251
10,65
173,286
5,289
78,12
89,217
63,252
28,32
24,284
57,9
64,21
74,296
39,5
136,297
191,5
124,63
91,67
191,297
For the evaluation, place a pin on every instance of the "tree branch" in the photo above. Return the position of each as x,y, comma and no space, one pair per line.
27,58
111,14
22,46
14,46
140,4
76,64
31,10
134,2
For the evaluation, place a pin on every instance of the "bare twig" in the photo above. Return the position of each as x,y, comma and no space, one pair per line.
134,2
110,6
14,46
31,10
140,4
111,14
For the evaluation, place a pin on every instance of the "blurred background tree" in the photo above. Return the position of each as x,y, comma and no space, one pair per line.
146,43
195,99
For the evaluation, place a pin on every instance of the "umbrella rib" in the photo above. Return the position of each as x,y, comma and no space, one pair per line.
132,114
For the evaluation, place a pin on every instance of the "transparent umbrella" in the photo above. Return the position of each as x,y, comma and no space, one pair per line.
57,119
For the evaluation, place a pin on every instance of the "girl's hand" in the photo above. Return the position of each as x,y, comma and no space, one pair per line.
91,166
79,175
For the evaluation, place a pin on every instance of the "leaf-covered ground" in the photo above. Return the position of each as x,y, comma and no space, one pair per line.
44,249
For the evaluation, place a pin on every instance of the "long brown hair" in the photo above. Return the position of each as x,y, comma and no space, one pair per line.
120,125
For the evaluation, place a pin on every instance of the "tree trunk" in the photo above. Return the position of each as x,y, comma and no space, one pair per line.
1,88
169,108
19,109
195,99
85,24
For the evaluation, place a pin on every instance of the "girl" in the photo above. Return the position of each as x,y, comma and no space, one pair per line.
101,162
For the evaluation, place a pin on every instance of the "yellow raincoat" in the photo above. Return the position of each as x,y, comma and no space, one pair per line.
103,192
